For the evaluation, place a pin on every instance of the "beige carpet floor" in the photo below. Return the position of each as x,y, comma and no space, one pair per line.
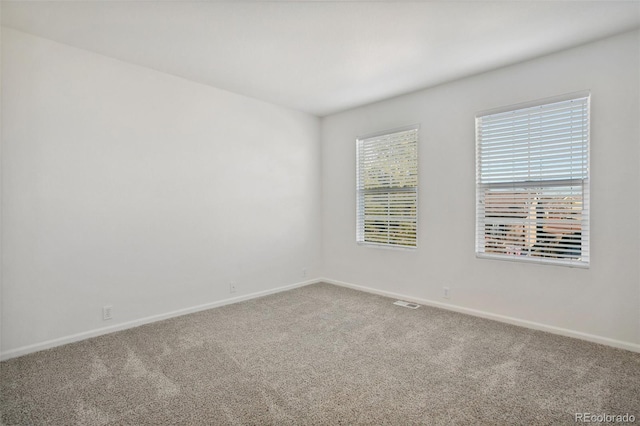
320,355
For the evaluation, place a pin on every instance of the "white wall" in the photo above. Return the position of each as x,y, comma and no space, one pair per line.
602,301
134,188
0,182
125,186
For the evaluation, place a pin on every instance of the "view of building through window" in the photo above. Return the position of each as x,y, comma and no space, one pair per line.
533,223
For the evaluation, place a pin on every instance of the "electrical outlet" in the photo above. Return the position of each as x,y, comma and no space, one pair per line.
106,312
445,292
232,287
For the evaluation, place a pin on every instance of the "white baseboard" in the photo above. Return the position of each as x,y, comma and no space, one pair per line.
501,318
24,350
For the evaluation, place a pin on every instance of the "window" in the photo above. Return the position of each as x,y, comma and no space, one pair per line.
532,183
387,188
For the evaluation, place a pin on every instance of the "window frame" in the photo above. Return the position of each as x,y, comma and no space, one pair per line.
360,192
540,185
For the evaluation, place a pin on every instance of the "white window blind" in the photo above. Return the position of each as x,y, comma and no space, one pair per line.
387,188
532,183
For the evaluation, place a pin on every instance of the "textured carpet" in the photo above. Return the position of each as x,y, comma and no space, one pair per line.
321,355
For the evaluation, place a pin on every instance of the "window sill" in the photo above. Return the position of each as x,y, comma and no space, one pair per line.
386,246
540,261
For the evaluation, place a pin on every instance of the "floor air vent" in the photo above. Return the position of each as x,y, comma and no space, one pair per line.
406,304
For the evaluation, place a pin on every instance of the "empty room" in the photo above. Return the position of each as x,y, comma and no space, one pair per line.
320,212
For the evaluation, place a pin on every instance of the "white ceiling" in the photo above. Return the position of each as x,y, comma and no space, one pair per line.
322,56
